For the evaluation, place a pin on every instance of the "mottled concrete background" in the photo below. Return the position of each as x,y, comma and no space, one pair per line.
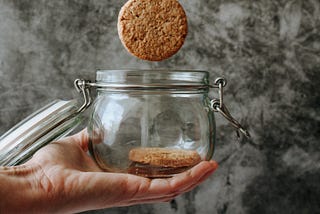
269,50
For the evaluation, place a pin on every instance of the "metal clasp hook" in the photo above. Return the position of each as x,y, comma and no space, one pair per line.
217,105
82,86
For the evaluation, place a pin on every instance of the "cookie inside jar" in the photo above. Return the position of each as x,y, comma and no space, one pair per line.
161,162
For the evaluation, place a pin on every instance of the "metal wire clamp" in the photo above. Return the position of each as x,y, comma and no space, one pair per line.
218,105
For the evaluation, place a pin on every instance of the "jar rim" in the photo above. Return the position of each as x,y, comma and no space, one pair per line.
158,77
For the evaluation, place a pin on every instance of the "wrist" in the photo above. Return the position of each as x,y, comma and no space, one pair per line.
19,190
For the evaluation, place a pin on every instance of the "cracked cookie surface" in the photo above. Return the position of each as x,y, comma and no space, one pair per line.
152,30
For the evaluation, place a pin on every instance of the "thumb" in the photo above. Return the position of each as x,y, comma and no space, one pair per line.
81,139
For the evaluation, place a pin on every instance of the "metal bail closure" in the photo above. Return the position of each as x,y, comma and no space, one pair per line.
217,105
82,86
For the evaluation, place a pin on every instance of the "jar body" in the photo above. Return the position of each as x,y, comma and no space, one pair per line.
152,133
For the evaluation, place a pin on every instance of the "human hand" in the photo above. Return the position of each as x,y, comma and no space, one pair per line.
65,179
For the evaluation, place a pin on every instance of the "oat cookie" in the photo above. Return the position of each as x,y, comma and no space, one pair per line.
152,29
164,157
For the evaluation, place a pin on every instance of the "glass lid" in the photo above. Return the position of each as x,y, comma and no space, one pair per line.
51,122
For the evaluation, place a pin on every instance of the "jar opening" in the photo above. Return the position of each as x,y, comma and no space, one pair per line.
153,77
165,80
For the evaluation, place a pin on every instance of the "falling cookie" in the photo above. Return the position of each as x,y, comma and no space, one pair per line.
152,30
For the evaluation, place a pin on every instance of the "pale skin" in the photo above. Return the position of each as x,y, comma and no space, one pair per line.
62,178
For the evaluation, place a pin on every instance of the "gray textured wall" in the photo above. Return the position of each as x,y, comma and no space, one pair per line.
269,50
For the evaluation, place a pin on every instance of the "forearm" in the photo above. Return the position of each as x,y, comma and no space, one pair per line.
18,190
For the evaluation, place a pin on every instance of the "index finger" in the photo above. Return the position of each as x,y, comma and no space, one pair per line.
181,182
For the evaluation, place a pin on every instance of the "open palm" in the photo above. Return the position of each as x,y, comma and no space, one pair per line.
72,182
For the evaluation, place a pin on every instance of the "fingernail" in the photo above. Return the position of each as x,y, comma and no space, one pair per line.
214,164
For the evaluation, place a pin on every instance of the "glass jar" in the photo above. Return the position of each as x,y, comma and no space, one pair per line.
153,123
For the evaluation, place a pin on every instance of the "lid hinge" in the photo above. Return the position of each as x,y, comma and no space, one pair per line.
82,86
